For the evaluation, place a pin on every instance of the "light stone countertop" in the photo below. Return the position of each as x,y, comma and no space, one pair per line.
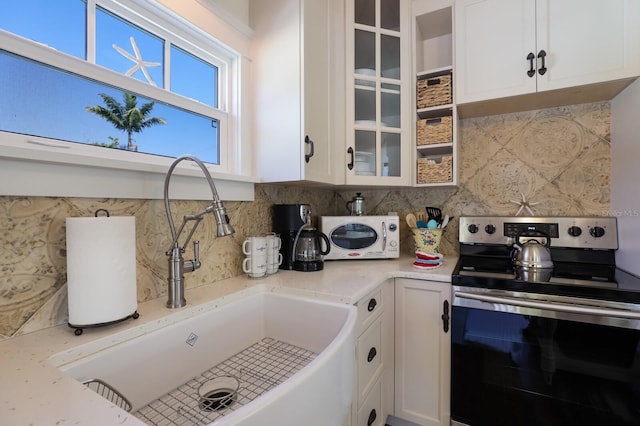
34,392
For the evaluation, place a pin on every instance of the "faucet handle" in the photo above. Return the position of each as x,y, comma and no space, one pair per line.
192,265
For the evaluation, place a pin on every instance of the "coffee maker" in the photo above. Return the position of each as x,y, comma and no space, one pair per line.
287,219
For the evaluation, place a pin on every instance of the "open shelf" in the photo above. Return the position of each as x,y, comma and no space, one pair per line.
435,126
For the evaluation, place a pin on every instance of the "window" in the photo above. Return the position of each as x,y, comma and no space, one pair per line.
122,80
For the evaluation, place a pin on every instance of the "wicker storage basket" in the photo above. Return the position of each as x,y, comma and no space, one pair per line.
434,91
434,130
435,173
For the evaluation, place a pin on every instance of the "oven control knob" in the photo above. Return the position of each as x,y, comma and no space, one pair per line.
473,228
596,232
490,229
575,231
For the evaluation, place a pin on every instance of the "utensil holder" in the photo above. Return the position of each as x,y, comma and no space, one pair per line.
427,240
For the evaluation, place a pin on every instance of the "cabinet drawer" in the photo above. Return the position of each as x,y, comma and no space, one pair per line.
370,412
369,358
369,308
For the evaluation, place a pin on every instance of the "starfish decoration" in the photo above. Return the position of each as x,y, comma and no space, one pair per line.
524,205
137,60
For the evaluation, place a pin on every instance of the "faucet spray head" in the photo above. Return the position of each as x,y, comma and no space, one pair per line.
222,219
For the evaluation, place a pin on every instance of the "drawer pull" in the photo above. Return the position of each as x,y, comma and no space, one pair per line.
372,305
372,417
372,354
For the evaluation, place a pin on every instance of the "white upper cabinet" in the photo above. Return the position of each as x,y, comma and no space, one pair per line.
291,90
378,92
513,47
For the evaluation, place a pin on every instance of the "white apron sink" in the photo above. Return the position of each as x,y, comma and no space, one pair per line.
310,382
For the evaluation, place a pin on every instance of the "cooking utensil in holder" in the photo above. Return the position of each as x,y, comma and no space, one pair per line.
435,214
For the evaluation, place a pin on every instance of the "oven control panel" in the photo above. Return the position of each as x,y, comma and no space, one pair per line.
574,232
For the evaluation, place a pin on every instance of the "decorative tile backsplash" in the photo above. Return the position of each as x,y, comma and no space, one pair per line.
558,158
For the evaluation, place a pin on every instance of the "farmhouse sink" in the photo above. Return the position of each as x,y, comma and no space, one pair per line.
266,358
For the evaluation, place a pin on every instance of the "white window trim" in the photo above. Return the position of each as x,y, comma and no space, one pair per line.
45,167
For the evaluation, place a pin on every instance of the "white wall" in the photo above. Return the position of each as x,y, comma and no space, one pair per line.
625,175
238,8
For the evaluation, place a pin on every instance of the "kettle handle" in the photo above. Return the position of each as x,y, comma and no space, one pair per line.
349,205
535,233
327,243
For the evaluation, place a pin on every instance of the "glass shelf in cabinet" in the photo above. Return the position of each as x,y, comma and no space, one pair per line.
367,87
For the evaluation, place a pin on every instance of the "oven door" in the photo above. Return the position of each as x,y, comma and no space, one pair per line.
527,359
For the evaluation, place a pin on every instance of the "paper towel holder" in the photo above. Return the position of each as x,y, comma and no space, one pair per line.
92,303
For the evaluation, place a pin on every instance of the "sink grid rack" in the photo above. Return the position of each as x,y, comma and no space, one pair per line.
258,369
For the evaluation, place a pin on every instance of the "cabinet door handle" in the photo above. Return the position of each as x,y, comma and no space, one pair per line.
530,58
372,304
308,156
372,417
542,70
372,354
445,316
350,164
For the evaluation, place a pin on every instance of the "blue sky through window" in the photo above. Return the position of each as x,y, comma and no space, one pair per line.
60,24
43,101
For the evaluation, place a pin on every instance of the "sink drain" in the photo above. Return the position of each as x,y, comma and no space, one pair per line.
218,393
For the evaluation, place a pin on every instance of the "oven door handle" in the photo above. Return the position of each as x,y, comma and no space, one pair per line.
551,306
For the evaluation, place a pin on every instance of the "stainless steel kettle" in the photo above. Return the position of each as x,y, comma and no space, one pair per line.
532,260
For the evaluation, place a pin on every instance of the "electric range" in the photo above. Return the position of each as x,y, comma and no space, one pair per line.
563,351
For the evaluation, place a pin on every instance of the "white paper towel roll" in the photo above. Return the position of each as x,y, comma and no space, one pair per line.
101,269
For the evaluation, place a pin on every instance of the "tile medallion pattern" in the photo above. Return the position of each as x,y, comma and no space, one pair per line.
559,157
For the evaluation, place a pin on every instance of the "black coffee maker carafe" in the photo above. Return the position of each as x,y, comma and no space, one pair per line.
287,219
308,249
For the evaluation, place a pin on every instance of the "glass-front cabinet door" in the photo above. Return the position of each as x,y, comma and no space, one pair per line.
378,92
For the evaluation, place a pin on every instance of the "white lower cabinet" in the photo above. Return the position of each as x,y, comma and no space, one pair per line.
422,351
373,394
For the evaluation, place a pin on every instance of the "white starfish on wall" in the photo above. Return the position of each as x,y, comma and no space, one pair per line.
524,205
137,60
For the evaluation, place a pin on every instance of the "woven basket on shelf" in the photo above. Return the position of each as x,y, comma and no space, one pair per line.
433,91
435,173
434,130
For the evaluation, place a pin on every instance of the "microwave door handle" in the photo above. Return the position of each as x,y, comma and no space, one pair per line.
384,236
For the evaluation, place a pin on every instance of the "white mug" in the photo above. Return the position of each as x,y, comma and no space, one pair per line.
255,266
274,257
255,246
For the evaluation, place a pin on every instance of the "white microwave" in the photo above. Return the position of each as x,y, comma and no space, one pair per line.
362,237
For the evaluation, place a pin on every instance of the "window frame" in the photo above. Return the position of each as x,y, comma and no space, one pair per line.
60,159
